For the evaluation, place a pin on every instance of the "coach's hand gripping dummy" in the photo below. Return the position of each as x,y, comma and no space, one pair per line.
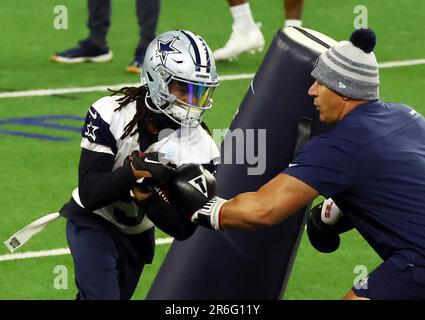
133,142
324,225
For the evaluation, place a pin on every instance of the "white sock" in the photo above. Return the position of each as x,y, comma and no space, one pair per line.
293,23
242,17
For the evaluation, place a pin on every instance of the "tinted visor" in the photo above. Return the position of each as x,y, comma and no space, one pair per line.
195,95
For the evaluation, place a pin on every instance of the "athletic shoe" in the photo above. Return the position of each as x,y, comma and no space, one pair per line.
86,51
136,64
250,41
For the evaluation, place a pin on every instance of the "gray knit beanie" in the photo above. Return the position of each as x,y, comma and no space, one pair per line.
350,67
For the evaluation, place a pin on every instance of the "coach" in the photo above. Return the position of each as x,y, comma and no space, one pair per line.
372,164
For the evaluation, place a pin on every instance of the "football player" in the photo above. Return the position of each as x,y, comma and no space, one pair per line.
132,142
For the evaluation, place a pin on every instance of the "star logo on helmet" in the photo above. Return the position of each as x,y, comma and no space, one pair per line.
166,48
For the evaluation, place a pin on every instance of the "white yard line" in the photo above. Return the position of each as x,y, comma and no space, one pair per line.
49,92
405,63
57,252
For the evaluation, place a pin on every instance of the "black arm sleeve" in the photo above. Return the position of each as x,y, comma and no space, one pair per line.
98,184
167,217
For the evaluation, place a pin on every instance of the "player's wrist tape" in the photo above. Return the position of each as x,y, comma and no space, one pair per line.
209,215
330,213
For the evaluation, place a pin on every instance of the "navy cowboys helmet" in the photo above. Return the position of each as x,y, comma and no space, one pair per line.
179,71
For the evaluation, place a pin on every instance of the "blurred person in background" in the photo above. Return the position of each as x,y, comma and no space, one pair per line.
96,49
246,35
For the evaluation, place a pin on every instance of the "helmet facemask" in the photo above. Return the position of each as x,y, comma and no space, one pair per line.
178,87
187,101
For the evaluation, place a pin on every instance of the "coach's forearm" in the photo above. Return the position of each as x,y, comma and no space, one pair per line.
274,202
246,211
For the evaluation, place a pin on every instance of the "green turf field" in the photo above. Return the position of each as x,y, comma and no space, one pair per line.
37,176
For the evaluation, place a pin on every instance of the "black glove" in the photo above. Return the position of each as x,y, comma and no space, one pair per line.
192,187
166,215
154,163
322,236
324,225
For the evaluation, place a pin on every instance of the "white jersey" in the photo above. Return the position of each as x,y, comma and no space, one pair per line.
102,133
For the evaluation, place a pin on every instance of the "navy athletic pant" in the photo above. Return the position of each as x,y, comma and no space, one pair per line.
397,278
107,263
100,19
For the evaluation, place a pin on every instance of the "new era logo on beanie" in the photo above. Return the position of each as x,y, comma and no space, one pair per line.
350,67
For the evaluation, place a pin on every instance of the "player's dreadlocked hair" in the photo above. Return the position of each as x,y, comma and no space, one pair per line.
139,121
143,115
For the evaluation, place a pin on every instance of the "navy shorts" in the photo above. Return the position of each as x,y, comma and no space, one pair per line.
397,278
